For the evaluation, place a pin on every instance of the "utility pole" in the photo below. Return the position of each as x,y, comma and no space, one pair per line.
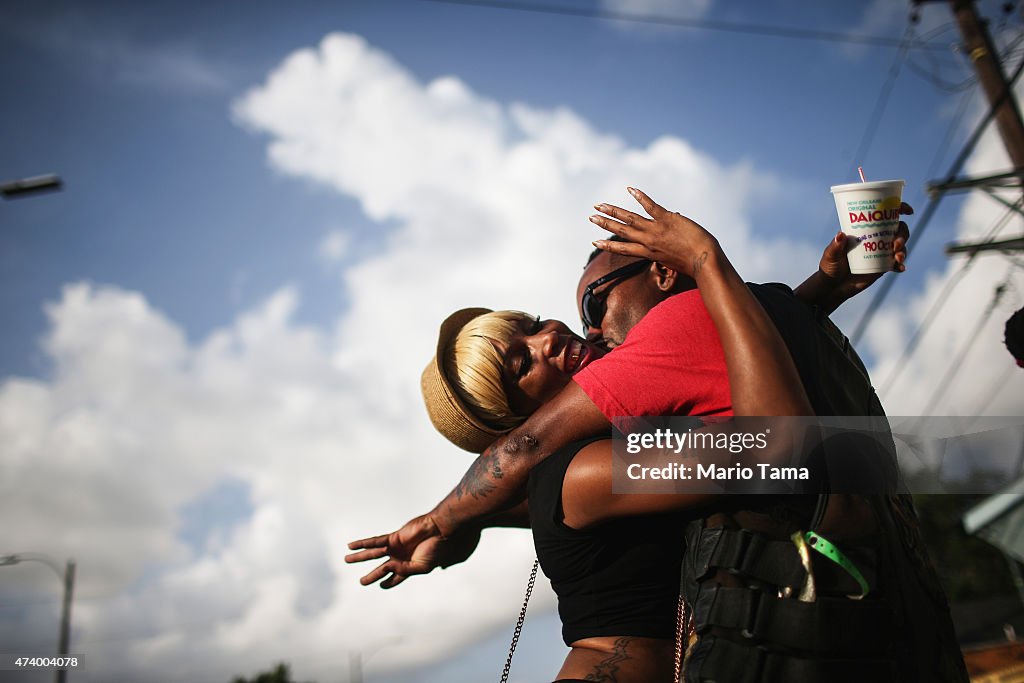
984,57
355,667
65,618
68,579
979,47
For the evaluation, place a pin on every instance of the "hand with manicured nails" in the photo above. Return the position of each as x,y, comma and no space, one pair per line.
677,242
835,266
833,283
666,237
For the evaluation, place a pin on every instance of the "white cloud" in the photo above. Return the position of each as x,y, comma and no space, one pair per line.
136,423
691,9
485,203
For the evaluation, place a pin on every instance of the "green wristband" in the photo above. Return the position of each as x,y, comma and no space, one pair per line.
826,548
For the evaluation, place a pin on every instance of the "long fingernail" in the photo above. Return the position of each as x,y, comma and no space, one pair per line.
599,243
599,207
594,219
632,190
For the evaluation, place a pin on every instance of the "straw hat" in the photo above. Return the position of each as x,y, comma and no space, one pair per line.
448,412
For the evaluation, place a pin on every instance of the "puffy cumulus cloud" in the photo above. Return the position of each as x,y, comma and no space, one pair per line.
489,200
136,424
968,316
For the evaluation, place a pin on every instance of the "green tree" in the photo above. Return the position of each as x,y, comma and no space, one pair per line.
968,567
279,674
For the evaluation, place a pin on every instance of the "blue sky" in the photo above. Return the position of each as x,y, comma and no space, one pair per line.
131,105
214,332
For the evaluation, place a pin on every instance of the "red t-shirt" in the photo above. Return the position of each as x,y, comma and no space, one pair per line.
671,363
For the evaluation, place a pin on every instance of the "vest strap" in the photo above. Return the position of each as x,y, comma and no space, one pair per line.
717,660
837,626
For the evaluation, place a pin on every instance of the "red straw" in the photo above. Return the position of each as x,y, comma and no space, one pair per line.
861,171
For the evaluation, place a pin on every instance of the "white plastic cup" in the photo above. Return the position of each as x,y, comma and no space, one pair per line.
869,214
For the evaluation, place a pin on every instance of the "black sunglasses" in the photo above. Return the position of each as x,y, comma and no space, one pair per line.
592,305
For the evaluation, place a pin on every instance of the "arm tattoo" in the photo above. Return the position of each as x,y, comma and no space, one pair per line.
606,669
477,482
698,263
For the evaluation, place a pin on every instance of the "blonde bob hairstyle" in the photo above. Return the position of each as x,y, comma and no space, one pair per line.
475,367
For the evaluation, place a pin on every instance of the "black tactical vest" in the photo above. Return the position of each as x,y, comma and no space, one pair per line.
765,611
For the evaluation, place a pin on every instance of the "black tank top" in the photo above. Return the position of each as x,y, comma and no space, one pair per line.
620,578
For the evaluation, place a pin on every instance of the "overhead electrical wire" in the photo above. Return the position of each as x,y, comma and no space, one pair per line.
1001,382
883,100
941,299
957,364
954,126
705,24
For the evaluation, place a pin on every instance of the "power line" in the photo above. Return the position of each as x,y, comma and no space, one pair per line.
931,72
941,299
937,80
705,24
925,324
933,203
954,125
954,368
1001,382
883,100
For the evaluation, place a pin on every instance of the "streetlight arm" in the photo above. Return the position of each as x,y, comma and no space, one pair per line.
26,186
67,578
16,558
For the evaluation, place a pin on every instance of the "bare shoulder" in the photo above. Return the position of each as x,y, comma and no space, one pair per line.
587,487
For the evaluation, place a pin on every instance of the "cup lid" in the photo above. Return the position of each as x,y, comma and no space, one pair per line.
870,185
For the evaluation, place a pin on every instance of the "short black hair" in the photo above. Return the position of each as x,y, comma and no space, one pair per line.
1013,335
597,252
